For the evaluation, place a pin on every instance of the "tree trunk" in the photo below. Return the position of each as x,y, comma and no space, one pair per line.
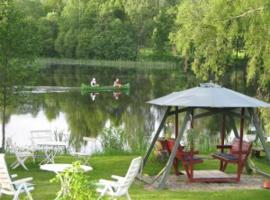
186,63
2,150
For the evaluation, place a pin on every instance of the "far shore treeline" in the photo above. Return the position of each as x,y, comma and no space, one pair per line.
102,29
208,37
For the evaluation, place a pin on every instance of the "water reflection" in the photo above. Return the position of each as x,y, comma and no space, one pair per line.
130,119
87,115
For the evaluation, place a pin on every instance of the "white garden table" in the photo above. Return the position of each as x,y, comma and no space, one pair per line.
58,168
51,148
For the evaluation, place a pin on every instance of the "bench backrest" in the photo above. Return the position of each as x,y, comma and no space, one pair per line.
246,148
180,152
39,136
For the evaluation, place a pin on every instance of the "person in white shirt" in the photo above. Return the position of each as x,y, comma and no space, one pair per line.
93,82
117,83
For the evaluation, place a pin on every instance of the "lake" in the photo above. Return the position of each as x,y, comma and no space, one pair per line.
91,115
118,121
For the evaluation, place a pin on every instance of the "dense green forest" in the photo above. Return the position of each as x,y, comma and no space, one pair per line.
210,37
102,29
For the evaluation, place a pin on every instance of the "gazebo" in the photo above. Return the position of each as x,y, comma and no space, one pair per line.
202,101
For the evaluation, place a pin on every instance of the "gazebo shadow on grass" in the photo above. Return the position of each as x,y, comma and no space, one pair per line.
178,183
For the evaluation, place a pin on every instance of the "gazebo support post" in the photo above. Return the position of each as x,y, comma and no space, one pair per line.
259,132
223,126
240,162
156,136
173,153
176,122
232,122
176,130
192,147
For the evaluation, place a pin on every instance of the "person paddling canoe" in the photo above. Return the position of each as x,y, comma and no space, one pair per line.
117,83
93,82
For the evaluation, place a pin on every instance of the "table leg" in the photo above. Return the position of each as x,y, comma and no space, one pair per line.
60,193
52,154
49,157
64,190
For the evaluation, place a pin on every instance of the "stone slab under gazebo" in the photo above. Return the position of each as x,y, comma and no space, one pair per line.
179,183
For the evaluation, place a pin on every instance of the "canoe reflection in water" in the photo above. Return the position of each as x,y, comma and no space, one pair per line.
93,96
116,95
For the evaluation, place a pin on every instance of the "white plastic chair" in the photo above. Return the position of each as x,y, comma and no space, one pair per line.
13,188
21,154
120,187
83,154
39,136
21,157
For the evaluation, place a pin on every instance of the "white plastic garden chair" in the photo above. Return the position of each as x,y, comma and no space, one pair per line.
21,154
120,186
83,154
13,188
39,136
21,157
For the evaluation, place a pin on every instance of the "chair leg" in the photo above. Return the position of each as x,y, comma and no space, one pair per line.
17,193
175,165
22,163
14,165
224,166
221,165
187,170
102,193
19,162
128,196
28,193
34,158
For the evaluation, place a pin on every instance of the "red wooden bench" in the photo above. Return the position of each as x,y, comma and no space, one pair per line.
187,159
233,155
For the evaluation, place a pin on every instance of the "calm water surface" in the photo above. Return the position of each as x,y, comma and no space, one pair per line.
93,115
118,121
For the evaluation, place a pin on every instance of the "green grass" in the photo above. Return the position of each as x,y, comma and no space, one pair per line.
109,63
105,166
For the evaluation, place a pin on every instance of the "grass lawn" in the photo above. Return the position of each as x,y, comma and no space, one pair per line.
105,166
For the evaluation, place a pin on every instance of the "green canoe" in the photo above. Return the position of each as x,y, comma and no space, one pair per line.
87,88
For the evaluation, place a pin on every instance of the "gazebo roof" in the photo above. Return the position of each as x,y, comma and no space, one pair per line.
209,95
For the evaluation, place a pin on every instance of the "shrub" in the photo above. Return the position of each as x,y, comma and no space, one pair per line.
75,183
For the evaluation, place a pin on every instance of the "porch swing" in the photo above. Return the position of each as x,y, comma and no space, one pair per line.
238,149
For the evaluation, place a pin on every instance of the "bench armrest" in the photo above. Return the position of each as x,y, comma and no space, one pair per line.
104,182
224,146
24,180
238,152
14,176
189,153
118,178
